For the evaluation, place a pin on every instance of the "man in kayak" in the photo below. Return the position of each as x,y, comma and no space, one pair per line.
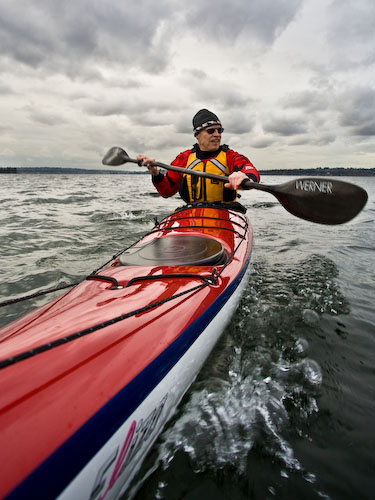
206,155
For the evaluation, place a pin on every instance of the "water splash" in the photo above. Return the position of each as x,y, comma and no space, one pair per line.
224,420
260,384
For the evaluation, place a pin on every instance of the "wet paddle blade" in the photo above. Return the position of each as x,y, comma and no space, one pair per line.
115,157
321,200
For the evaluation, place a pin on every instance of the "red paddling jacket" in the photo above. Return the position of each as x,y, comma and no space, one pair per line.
224,161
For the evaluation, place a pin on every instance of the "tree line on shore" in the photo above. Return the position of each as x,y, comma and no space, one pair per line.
338,171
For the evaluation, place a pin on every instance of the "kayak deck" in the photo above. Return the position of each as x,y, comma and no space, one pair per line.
65,361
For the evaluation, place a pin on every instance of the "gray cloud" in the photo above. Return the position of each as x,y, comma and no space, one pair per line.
315,139
285,126
323,139
262,142
65,36
350,30
141,110
259,20
353,109
221,93
365,129
222,96
198,74
239,123
68,36
46,117
5,89
308,100
107,107
356,110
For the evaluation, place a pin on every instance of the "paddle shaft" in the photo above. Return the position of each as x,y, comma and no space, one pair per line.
185,171
317,199
122,157
320,200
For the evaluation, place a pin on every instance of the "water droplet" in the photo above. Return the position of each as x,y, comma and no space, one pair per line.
311,372
302,346
310,317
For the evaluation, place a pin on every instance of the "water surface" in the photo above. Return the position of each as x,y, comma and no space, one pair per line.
284,407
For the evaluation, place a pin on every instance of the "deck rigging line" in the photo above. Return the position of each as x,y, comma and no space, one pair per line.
207,281
69,338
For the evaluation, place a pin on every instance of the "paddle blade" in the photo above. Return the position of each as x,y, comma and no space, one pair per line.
325,201
115,156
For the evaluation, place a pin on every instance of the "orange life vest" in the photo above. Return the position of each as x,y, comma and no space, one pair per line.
201,188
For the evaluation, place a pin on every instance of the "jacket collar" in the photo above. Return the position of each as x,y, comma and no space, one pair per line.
204,155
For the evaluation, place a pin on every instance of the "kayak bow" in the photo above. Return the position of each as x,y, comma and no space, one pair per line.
90,379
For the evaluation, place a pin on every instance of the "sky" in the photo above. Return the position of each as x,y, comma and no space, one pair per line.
292,81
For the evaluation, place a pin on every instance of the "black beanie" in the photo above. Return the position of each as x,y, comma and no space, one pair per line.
203,119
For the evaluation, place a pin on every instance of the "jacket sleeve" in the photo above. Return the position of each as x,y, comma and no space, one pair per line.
167,184
239,163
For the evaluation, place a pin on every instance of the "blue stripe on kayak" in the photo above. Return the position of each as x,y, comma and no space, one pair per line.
56,472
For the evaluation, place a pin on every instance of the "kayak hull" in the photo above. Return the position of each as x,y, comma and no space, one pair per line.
95,403
134,438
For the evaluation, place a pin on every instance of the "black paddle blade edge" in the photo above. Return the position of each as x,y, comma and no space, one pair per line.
324,201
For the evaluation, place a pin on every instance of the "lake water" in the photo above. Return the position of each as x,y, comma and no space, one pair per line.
284,407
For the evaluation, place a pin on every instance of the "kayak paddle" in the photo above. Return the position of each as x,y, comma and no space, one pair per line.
316,199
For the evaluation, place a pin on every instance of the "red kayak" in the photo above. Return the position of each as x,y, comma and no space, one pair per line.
89,380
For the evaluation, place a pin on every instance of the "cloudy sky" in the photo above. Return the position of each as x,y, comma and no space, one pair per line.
293,81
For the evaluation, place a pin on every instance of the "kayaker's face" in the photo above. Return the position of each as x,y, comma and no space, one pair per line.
209,141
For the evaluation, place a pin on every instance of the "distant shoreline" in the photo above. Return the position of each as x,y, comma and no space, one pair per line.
60,170
348,172
367,172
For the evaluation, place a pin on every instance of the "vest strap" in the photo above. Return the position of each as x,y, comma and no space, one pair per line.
194,164
218,164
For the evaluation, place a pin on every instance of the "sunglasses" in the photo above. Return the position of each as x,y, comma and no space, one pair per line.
211,131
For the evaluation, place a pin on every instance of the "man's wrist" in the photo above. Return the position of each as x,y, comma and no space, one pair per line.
157,178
